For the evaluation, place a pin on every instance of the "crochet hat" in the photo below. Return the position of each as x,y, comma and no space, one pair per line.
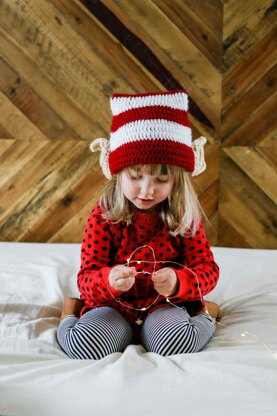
151,128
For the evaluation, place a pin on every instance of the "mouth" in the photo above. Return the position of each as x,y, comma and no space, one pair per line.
145,201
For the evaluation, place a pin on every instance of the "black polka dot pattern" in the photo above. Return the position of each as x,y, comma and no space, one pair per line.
106,245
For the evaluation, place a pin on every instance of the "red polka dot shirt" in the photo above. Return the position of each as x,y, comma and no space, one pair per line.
106,245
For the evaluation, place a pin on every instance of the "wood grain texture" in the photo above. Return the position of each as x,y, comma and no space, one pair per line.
243,206
61,60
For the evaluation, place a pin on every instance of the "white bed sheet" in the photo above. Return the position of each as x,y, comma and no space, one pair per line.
233,375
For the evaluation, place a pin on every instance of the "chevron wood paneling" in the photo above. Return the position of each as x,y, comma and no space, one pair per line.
61,60
248,197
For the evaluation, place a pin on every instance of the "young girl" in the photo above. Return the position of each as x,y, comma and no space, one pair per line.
146,263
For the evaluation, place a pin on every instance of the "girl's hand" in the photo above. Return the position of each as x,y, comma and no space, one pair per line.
165,281
122,278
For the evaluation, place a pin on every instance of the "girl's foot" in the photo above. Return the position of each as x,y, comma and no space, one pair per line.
72,306
213,310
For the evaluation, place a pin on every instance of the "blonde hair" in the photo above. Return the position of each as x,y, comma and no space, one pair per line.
181,211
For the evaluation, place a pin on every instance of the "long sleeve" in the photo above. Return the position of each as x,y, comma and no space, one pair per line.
200,274
97,246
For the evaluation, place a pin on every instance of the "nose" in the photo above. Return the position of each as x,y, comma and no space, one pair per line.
147,189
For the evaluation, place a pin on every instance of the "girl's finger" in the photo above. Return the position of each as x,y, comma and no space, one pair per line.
158,278
126,272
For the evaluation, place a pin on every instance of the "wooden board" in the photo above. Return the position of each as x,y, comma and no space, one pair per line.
61,60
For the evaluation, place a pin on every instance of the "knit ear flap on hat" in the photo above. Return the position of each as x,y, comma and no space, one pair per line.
103,146
199,158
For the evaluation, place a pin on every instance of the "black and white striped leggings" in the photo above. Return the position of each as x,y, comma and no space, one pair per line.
103,331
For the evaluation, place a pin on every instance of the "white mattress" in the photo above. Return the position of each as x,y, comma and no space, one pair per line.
233,375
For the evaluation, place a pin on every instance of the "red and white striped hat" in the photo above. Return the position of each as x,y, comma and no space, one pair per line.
151,128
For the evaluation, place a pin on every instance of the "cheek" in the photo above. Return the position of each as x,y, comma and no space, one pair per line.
128,187
167,190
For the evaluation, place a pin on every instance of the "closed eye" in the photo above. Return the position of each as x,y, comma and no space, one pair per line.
162,180
134,178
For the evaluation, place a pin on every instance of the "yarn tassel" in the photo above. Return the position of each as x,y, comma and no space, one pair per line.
199,158
103,146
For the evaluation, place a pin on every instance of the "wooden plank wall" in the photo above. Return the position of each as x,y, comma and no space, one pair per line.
61,60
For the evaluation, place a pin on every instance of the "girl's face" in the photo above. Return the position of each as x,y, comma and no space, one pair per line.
143,190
